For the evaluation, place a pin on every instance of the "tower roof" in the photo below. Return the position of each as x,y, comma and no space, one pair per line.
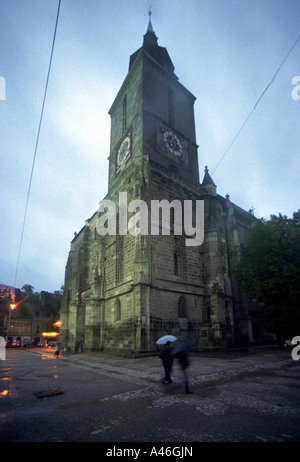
151,47
207,178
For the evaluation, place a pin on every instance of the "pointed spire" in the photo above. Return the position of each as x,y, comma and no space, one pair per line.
150,37
207,178
208,184
150,28
151,47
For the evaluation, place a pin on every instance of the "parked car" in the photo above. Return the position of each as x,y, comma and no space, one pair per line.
51,344
40,344
16,344
27,343
287,343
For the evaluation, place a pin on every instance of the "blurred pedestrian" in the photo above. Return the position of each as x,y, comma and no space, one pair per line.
167,361
180,352
184,364
57,352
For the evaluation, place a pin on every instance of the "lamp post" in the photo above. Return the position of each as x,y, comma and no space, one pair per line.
12,306
57,325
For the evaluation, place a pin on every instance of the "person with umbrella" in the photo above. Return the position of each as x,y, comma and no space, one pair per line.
180,352
166,355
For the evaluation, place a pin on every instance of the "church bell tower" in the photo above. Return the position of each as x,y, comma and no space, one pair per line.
152,118
153,156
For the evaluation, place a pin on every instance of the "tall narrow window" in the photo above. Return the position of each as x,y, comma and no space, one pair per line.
182,311
118,310
171,107
124,113
177,263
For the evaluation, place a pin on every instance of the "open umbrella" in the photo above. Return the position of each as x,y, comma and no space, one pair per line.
166,338
182,347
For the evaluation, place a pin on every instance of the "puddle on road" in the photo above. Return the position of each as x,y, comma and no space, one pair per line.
50,372
4,393
48,393
6,370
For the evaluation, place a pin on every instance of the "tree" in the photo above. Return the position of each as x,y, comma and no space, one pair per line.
28,288
269,271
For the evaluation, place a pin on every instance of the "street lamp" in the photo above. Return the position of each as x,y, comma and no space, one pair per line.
12,307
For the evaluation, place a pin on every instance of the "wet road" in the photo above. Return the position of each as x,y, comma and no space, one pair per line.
95,397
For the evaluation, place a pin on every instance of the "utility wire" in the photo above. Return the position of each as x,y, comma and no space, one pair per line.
36,144
256,104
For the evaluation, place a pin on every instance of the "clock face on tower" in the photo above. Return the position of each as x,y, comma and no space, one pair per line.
172,143
123,153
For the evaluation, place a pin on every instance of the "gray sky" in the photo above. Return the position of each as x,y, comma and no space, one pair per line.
224,51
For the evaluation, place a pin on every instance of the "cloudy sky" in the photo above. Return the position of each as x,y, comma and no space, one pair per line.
224,51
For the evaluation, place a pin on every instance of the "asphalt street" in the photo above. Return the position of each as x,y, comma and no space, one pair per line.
237,397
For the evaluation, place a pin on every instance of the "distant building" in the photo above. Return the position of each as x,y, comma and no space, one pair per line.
7,296
28,320
124,291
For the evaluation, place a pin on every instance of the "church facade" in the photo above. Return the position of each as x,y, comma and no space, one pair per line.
125,289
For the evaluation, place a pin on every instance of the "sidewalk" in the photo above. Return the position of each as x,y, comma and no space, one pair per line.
204,367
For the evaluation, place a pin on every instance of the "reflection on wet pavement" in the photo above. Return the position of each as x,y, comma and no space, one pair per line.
4,393
12,385
46,356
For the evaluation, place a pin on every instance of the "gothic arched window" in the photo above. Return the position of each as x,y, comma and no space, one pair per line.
171,107
182,311
124,113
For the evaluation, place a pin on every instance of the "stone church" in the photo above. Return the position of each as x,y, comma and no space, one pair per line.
124,290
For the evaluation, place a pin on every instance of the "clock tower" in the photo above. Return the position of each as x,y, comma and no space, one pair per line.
152,117
153,156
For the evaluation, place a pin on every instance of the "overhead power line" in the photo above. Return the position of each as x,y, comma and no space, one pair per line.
37,143
256,104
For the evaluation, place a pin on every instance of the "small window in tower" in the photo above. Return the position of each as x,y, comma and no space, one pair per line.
171,107
124,113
